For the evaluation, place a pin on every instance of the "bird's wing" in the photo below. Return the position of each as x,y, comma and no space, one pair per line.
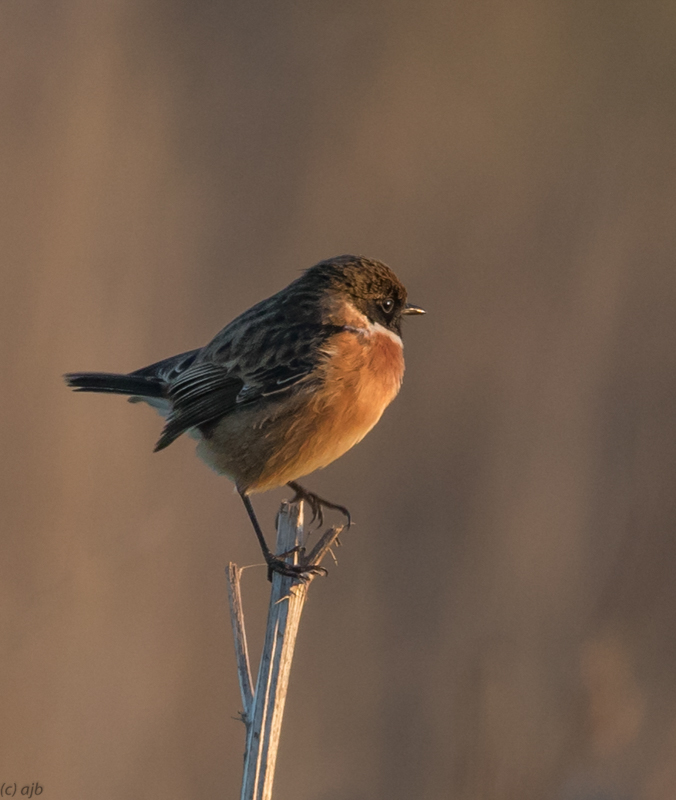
207,391
253,359
168,369
202,393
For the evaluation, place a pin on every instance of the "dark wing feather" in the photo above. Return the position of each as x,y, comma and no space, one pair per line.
206,392
272,381
201,394
244,364
168,369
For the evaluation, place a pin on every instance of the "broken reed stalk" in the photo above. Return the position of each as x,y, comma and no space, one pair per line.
264,707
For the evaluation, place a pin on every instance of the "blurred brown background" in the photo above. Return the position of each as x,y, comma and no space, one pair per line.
502,623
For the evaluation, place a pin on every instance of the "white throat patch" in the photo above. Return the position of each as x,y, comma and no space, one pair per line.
376,327
360,323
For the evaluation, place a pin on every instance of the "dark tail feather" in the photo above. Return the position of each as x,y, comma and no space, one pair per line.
114,384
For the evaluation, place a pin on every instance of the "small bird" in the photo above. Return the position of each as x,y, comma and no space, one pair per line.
287,387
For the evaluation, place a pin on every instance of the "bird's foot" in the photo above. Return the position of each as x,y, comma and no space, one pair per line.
317,504
302,571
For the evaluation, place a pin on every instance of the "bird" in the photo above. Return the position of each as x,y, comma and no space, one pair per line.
287,387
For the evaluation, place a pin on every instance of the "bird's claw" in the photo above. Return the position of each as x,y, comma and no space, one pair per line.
317,504
300,571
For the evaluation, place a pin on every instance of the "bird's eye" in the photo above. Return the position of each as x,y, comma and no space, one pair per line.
387,305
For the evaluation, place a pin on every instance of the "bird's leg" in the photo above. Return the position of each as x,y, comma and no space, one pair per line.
275,563
316,503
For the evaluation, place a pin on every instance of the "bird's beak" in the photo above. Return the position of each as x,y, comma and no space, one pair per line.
411,309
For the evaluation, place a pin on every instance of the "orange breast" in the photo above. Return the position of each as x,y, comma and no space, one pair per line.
363,374
366,368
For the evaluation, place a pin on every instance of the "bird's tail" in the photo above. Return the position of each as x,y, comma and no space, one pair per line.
111,382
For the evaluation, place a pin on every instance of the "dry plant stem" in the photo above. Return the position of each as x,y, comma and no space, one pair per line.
263,713
239,634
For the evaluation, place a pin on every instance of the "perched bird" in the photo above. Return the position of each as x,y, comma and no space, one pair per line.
288,386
